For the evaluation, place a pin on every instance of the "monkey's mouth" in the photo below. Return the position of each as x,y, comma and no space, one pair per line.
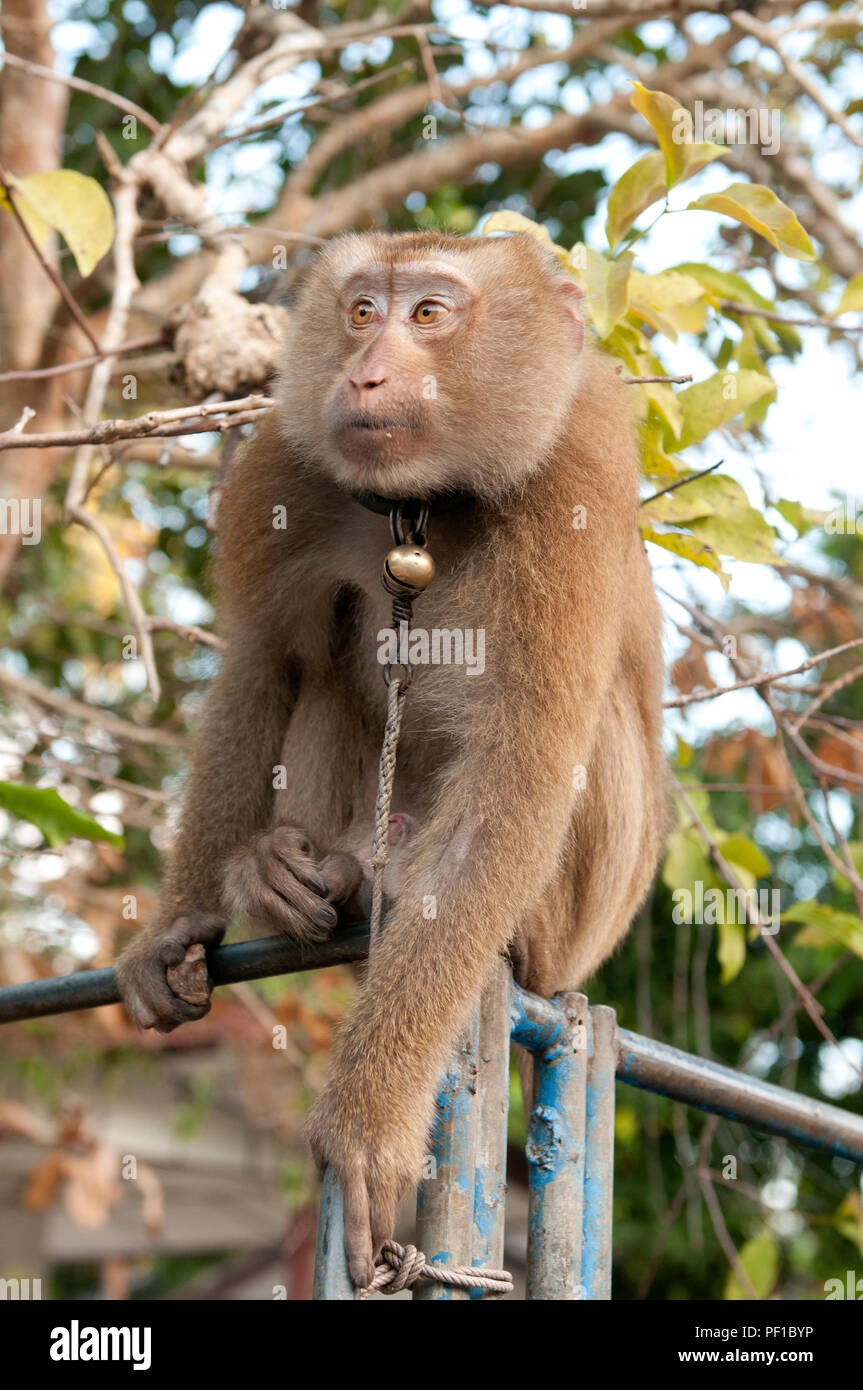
364,423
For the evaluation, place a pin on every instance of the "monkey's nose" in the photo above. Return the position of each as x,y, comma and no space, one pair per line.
368,382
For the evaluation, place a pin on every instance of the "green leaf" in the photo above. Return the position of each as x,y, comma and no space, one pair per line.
635,191
688,548
739,849
711,403
760,1259
749,537
605,284
686,862
759,208
724,284
58,821
731,949
672,125
71,203
825,925
852,296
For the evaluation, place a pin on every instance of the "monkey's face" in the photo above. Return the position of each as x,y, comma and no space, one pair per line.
418,364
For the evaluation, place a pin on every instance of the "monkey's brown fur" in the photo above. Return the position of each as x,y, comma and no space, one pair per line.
519,851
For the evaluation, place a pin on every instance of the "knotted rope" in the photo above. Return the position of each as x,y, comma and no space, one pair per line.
403,1266
397,689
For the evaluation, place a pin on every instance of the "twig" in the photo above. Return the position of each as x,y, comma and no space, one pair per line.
160,424
681,482
79,85
753,918
138,617
655,380
124,729
824,321
188,631
764,34
39,373
807,665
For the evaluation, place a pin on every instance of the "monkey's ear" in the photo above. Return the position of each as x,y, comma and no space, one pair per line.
571,295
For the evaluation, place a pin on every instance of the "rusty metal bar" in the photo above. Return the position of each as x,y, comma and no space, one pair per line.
654,1066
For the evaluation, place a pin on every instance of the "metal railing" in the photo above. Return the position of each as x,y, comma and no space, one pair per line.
578,1052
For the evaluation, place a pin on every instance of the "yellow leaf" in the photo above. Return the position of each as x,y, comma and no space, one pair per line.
605,285
759,208
634,191
672,125
669,301
852,297
74,205
505,221
36,226
688,548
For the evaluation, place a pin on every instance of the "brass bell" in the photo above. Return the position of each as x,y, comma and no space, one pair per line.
408,569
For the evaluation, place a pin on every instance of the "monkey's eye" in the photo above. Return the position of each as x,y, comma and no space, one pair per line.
430,311
362,313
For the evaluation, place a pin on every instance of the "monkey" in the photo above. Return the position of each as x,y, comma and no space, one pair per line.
454,372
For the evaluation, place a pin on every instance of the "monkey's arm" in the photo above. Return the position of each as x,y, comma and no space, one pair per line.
494,841
228,799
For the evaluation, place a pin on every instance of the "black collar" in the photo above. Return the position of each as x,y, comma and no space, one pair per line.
437,506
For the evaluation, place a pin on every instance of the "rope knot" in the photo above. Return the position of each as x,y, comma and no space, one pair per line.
402,1266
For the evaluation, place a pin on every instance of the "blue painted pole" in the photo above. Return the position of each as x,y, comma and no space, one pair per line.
555,1153
332,1280
445,1196
489,1197
599,1154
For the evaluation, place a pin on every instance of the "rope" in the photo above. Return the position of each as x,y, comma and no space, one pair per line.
397,690
403,1266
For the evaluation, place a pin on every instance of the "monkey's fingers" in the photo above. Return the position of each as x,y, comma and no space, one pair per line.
342,876
190,979
151,1002
192,928
298,904
358,1231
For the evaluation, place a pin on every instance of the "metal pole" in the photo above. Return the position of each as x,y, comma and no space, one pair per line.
332,1280
599,1154
489,1198
244,960
555,1152
445,1197
654,1066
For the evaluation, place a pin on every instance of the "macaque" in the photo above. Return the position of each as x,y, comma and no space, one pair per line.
529,796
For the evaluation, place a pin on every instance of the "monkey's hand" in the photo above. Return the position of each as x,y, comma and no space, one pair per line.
280,877
377,1153
142,971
